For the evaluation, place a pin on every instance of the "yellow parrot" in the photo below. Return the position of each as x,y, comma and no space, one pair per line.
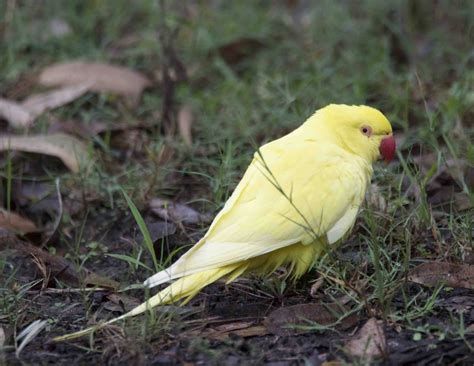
300,194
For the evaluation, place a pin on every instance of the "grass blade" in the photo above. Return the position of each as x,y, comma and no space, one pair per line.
143,229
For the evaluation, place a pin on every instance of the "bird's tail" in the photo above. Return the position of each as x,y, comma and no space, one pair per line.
185,288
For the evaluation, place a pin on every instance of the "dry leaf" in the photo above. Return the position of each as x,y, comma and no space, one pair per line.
58,267
86,131
39,103
101,77
157,229
93,279
222,332
3,337
121,302
69,149
463,201
284,321
15,223
369,342
185,122
17,115
316,286
176,212
29,333
24,114
452,275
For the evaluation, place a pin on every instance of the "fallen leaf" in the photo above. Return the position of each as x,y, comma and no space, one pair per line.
29,333
94,128
17,115
460,304
237,50
316,286
69,149
22,115
57,266
222,332
241,331
185,122
2,337
39,103
16,223
93,279
285,321
452,275
121,302
463,201
176,212
369,342
157,229
101,77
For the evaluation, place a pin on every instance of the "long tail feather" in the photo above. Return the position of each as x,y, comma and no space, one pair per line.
184,288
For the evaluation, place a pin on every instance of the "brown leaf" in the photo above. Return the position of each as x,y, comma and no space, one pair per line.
452,275
241,331
463,201
69,149
222,332
58,266
21,115
16,114
86,131
316,286
15,223
39,103
176,212
369,342
237,50
101,77
121,302
90,278
185,122
284,321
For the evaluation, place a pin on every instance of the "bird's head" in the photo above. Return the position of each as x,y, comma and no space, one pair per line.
362,130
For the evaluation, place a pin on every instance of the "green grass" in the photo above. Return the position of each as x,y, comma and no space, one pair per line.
411,59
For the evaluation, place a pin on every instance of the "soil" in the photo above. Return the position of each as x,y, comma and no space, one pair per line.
183,340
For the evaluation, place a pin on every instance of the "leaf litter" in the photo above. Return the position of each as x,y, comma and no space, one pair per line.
100,77
15,223
69,149
450,274
24,114
177,212
300,318
58,267
29,333
185,123
369,342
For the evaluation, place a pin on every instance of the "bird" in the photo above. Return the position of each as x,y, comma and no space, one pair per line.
298,198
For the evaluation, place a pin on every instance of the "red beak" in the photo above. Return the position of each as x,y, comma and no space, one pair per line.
387,148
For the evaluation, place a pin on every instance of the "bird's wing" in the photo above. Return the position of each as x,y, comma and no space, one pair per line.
290,193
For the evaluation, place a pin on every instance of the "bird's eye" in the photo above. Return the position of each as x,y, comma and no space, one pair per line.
366,130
